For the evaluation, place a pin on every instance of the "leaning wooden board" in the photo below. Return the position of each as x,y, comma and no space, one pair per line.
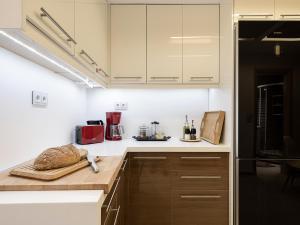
83,179
212,126
27,170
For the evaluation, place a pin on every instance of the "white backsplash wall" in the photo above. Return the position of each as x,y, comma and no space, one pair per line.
26,130
168,106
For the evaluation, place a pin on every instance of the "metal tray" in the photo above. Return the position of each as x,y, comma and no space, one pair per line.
138,138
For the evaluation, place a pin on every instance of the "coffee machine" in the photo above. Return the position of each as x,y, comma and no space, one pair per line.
114,130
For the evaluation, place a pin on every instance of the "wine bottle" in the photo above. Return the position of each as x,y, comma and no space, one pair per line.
193,131
187,131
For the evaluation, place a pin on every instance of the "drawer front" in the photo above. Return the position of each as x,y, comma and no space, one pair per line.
200,180
200,207
211,163
111,203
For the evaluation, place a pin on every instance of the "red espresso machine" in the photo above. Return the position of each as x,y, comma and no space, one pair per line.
114,130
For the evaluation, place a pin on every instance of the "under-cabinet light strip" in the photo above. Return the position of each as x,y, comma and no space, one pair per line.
85,80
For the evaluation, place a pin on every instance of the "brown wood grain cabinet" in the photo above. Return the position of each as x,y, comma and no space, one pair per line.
170,189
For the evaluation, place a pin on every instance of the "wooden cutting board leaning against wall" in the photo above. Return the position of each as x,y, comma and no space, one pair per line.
212,126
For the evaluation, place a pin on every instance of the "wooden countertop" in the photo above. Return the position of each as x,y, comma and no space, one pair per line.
83,179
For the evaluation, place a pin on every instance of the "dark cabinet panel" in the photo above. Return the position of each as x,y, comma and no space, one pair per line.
200,207
150,183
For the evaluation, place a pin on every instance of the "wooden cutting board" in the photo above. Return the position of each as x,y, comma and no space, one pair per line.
27,170
83,179
211,126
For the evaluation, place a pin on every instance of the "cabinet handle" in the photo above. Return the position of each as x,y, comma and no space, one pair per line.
46,14
289,15
256,15
47,35
200,177
82,52
127,77
113,194
124,165
200,157
201,78
150,157
164,78
200,196
117,215
98,70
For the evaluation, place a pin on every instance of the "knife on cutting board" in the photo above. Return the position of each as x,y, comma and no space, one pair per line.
91,160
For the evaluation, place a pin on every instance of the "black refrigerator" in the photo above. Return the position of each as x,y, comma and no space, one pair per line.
267,164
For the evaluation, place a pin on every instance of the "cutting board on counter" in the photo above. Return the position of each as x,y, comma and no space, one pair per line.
212,126
27,170
83,179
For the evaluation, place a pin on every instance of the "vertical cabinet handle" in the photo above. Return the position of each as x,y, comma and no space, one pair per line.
46,14
117,215
113,194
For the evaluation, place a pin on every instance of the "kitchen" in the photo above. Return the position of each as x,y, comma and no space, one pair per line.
66,62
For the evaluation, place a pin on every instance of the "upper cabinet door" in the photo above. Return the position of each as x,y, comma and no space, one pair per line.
164,44
128,44
287,9
54,19
201,43
91,34
254,9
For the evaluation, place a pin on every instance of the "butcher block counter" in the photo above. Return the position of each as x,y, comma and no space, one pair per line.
83,179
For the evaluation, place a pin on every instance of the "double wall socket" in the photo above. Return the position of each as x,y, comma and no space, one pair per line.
39,98
122,106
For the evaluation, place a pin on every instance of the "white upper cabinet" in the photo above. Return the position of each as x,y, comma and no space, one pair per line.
201,44
164,44
254,9
53,19
91,34
287,9
128,44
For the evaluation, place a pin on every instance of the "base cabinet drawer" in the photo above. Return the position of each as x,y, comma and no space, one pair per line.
200,207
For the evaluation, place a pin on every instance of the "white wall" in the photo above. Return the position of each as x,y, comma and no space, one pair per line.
27,130
168,106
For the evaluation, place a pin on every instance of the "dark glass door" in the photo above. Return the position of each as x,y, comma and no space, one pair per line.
269,192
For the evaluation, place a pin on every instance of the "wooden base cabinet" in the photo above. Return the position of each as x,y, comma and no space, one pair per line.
178,189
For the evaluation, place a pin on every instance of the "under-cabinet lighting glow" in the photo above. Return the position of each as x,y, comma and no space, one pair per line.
85,80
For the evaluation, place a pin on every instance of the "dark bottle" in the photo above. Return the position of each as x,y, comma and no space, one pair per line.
193,132
187,131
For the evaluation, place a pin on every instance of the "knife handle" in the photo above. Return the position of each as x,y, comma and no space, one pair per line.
94,166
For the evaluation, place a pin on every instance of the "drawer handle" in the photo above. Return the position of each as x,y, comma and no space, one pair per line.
256,15
164,78
201,78
99,70
117,215
124,165
200,177
113,194
128,77
200,157
82,52
200,196
46,14
150,157
289,15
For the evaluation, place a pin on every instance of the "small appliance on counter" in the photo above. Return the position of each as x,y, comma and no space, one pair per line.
114,130
91,133
153,134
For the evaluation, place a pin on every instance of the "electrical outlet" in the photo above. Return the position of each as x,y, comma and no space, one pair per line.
39,98
122,106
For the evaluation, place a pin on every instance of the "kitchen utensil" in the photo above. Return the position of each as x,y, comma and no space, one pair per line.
211,126
91,160
27,170
90,134
114,130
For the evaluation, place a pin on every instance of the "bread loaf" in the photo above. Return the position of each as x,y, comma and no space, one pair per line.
58,157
